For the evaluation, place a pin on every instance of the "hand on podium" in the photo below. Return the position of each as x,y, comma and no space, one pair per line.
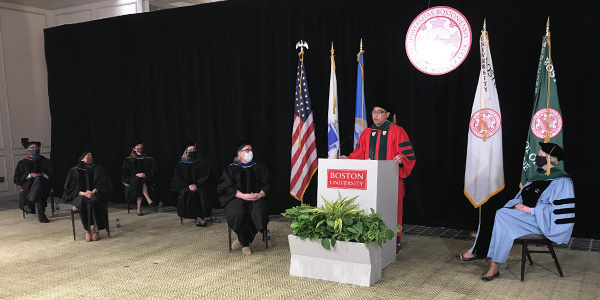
398,159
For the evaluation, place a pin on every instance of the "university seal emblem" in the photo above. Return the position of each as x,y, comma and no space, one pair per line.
486,121
438,40
546,118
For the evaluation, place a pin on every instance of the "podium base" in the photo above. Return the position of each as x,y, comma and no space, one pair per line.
347,262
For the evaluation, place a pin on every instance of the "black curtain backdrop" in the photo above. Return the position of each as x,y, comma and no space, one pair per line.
225,71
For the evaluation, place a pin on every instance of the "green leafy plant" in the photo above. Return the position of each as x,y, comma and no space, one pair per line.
338,221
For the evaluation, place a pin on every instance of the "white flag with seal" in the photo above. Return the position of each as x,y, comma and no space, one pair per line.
484,170
333,131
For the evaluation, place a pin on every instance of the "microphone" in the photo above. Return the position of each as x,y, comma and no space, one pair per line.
346,140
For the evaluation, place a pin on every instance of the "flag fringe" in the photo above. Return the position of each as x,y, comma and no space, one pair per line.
485,200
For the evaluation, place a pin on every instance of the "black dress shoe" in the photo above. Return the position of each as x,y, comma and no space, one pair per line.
490,278
27,209
43,219
140,214
462,258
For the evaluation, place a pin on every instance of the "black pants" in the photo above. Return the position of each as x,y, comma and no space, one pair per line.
246,218
484,234
34,192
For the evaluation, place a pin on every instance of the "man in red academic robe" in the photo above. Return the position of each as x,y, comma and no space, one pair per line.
386,141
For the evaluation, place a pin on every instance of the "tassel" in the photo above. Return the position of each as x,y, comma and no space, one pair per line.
548,165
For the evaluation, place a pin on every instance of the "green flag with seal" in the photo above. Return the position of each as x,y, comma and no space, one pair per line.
546,120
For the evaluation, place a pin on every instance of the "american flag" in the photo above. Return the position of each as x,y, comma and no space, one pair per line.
304,149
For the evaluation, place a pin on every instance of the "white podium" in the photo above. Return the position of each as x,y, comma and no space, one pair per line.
375,182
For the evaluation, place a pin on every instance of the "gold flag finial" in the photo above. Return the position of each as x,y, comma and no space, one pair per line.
484,24
332,48
360,44
548,26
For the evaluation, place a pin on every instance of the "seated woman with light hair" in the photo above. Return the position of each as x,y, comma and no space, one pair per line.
242,190
545,205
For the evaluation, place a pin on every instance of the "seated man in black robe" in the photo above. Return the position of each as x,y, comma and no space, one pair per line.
190,178
33,174
242,191
137,172
89,184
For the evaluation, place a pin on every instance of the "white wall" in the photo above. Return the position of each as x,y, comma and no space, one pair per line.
99,10
24,107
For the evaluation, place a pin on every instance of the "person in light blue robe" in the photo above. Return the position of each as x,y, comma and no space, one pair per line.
545,205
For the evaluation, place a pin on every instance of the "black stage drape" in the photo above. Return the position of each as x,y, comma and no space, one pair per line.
225,71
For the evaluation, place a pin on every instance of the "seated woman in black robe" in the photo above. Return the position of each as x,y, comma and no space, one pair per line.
89,184
137,172
190,178
242,191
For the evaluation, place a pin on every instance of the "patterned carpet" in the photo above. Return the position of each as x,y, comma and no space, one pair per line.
154,257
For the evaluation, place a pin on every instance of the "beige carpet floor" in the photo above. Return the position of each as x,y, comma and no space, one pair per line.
154,257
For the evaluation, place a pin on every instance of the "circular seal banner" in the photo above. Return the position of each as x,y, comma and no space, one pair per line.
485,120
438,40
553,121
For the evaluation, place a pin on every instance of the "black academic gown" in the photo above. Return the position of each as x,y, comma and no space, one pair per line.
81,179
191,205
41,190
132,166
246,218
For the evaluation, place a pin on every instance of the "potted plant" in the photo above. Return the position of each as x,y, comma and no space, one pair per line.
337,242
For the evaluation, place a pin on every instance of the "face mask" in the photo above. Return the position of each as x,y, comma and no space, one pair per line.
248,156
193,154
540,161
34,152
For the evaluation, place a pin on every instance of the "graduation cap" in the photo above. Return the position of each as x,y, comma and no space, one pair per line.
136,142
241,144
553,149
387,106
188,144
29,143
80,152
83,154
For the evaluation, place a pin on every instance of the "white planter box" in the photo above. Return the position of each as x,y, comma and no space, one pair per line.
347,262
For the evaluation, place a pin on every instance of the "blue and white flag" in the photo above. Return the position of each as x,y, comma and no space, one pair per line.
360,115
333,128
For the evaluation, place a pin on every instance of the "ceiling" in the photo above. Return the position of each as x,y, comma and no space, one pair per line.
58,4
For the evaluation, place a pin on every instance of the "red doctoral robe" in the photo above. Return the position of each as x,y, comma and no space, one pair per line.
384,142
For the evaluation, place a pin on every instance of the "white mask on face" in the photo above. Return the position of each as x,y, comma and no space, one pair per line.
248,156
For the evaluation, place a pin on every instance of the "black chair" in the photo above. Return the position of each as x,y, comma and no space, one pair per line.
536,239
90,208
128,198
264,238
51,203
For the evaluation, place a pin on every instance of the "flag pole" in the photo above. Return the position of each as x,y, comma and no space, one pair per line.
334,91
301,44
362,74
547,135
301,54
484,31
